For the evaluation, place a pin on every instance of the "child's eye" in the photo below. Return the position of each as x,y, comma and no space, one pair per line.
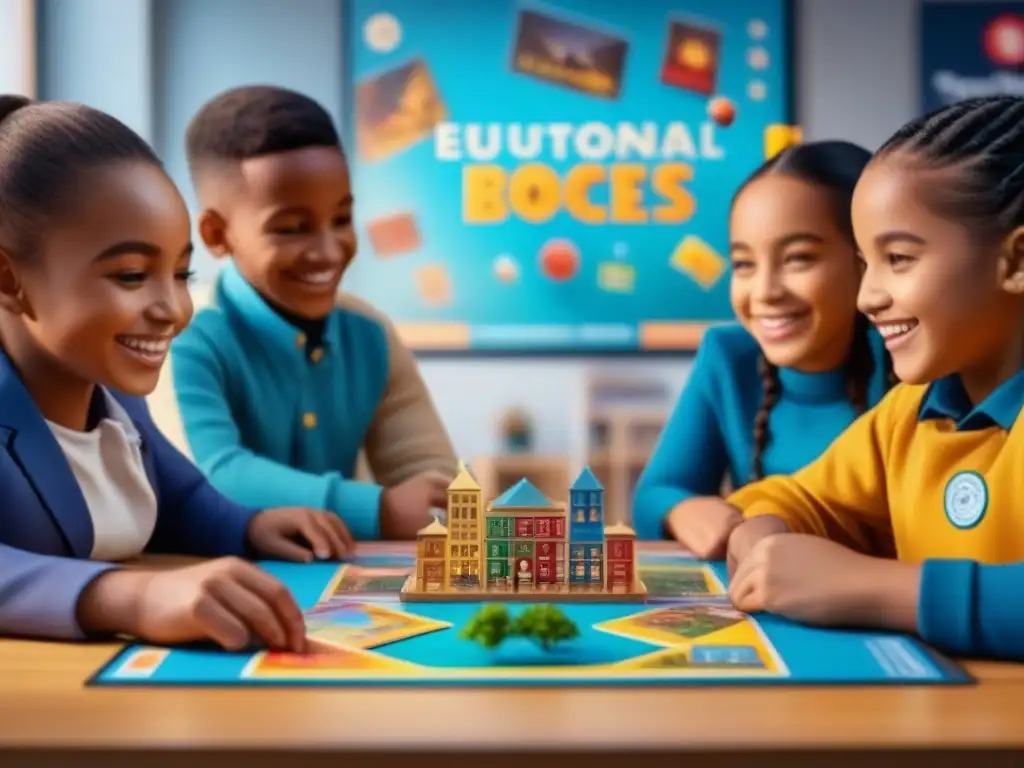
740,265
799,258
342,221
293,229
898,259
185,275
130,278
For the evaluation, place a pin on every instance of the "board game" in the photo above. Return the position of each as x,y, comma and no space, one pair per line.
687,633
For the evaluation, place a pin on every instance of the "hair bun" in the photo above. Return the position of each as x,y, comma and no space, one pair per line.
9,104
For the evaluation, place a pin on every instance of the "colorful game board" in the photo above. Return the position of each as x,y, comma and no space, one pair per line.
687,633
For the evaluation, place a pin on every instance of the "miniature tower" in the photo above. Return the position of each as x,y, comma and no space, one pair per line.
586,532
465,530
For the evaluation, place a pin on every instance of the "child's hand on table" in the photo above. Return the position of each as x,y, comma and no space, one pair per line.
703,525
406,508
299,534
230,601
817,581
748,533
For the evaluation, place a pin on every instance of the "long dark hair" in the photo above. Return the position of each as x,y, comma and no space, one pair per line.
834,167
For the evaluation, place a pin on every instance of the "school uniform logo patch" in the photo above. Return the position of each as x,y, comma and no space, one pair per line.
966,499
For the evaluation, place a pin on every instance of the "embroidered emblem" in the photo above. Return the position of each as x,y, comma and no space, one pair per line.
966,499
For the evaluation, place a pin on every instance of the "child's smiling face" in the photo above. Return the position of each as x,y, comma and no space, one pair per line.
108,288
944,299
795,274
288,225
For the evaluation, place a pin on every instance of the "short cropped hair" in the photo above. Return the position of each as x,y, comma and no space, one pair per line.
253,121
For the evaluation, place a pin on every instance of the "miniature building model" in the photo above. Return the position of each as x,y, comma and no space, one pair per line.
525,546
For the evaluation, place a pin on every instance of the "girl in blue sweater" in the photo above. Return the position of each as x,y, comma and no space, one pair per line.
767,395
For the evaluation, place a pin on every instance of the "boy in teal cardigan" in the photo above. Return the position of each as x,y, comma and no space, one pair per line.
282,381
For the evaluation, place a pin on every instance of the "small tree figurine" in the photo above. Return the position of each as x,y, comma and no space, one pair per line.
490,626
546,625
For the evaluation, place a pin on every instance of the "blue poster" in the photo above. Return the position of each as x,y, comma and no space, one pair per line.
557,176
969,50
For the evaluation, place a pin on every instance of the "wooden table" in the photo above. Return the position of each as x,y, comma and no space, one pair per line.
49,719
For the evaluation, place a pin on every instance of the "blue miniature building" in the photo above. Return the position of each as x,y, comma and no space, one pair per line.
586,531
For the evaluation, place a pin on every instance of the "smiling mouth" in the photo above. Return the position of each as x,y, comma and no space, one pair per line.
319,278
777,326
149,349
895,331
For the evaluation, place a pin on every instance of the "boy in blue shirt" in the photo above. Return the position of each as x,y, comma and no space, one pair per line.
282,381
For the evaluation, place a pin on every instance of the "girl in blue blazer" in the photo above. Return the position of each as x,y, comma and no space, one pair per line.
94,268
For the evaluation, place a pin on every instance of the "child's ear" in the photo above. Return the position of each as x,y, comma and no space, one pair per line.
214,232
1012,277
12,293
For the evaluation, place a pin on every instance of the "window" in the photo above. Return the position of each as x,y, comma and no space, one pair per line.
434,549
455,550
465,550
474,551
593,498
579,516
580,571
472,513
595,515
595,572
595,553
454,570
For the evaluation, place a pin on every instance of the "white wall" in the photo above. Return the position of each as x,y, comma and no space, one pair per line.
857,80
18,47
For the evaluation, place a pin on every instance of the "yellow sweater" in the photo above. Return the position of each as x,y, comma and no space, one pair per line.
937,482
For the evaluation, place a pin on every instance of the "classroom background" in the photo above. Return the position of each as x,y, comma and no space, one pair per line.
857,75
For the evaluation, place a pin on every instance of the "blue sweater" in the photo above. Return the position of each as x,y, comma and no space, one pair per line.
710,434
272,426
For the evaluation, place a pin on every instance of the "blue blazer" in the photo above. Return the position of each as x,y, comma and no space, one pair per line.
46,533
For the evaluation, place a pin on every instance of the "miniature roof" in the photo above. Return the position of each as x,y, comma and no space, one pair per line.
463,481
522,495
436,528
587,482
619,529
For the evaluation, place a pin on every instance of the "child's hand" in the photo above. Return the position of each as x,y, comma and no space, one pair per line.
405,508
300,534
230,601
801,577
703,525
745,535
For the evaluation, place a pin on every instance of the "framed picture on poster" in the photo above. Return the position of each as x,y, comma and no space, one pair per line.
556,177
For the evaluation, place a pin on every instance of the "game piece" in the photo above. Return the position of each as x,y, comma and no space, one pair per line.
523,547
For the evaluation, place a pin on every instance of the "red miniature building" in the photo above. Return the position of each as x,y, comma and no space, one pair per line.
621,571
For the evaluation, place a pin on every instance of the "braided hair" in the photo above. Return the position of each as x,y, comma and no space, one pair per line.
982,141
834,167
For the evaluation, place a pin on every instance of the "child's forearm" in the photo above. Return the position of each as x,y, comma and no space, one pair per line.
110,604
886,595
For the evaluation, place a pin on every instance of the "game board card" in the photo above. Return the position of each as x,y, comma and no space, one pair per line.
698,260
673,581
686,621
366,625
434,285
356,580
396,110
393,235
568,54
692,57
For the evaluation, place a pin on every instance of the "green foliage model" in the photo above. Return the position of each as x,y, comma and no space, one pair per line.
547,625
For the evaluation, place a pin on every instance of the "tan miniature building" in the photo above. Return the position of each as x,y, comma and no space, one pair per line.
620,573
465,530
431,570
